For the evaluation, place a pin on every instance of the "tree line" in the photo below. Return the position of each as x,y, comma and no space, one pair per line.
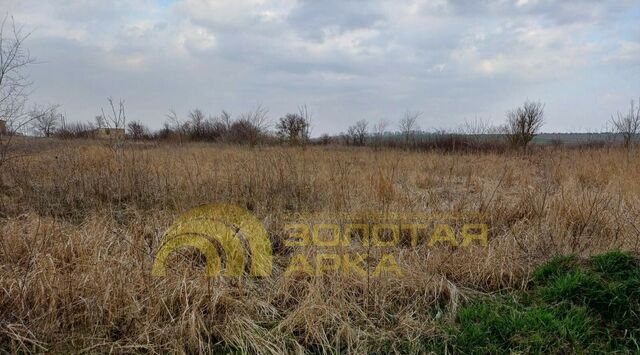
521,124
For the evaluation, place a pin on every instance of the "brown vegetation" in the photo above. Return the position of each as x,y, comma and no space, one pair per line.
80,222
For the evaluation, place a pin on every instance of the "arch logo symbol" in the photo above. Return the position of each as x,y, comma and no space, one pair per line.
216,228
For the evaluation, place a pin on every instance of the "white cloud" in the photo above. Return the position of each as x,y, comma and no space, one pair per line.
626,51
347,56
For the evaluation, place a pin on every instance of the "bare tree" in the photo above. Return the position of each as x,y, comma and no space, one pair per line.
45,120
116,118
358,132
197,123
524,123
350,136
628,125
379,129
409,125
294,127
14,83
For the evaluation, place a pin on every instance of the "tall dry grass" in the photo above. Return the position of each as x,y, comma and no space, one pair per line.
80,223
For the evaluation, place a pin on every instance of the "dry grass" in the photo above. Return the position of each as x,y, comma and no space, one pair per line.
80,223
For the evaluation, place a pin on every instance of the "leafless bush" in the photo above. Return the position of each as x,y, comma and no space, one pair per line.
628,125
136,130
45,120
524,123
250,126
325,139
244,131
75,130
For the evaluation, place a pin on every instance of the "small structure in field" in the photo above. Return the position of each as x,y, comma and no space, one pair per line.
109,133
3,127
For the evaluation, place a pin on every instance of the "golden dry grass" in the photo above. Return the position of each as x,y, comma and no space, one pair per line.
80,223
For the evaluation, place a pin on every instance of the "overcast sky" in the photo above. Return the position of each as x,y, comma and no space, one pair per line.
347,60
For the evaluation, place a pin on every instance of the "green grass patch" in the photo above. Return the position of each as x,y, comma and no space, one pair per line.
572,306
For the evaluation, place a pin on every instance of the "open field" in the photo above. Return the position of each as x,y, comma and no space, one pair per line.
80,223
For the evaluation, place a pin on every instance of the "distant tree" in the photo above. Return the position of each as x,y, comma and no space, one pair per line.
524,123
409,125
137,130
116,118
379,129
357,133
196,124
350,136
45,120
294,127
628,125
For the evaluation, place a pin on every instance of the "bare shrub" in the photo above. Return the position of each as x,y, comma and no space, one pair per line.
627,125
243,131
75,130
294,127
115,117
325,139
524,123
45,120
136,130
249,127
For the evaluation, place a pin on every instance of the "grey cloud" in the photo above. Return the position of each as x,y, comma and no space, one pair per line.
347,60
311,17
